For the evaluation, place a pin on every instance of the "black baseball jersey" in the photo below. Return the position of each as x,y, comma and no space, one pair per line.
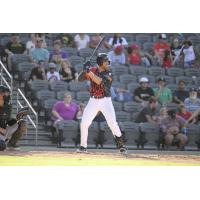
102,90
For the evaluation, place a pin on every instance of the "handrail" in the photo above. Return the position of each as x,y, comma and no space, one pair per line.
35,125
4,80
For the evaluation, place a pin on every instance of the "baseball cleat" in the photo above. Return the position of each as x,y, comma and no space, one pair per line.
82,150
123,150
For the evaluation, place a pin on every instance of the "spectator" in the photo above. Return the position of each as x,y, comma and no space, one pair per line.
43,37
160,46
171,128
162,115
188,54
147,114
117,40
162,93
180,94
14,47
117,56
39,53
192,103
67,72
66,39
182,112
63,110
52,74
150,58
122,94
31,44
143,93
195,117
38,72
82,41
57,54
175,48
133,55
167,61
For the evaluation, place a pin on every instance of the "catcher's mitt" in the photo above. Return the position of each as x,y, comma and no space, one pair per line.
22,113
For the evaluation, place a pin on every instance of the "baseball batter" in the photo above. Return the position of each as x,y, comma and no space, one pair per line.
100,77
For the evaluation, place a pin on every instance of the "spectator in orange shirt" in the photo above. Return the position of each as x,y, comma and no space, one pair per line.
160,46
133,55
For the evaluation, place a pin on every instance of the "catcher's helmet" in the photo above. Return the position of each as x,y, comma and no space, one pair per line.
101,58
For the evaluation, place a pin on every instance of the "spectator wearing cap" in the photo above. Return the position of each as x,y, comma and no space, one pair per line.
15,46
162,93
160,46
57,55
117,40
117,56
171,127
144,92
181,93
133,55
52,74
192,103
39,53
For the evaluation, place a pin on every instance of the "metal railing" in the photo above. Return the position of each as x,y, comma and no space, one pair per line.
35,124
3,80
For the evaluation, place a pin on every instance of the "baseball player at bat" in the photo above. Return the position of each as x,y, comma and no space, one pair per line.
100,77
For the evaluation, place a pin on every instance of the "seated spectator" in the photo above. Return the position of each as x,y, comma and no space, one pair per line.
38,72
171,129
57,54
52,74
188,54
195,117
192,103
183,112
31,44
160,46
167,61
64,110
122,94
175,48
81,41
147,114
133,55
162,93
39,53
117,40
67,72
117,56
66,39
180,94
150,58
162,115
143,93
14,47
43,37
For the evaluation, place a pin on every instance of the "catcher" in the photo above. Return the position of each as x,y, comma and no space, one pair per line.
11,129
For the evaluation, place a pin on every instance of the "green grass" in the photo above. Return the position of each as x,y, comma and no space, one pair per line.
82,161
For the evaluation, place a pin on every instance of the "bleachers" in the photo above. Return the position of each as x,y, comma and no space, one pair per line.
126,77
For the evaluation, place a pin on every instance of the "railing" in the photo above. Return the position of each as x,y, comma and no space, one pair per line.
35,124
3,80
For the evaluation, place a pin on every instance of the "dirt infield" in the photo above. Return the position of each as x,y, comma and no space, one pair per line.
100,157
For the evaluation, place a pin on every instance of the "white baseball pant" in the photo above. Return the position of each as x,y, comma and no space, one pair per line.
93,107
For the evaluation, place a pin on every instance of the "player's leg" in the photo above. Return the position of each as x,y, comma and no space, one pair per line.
108,111
89,114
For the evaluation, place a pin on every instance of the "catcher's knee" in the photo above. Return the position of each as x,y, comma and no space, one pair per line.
22,126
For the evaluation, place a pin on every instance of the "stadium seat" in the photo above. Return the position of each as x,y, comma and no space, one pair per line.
93,131
127,78
132,107
78,86
86,52
123,116
172,106
44,95
156,71
147,46
192,72
70,51
119,70
75,60
132,86
188,80
58,86
118,85
193,135
142,38
138,70
117,105
175,71
82,96
172,86
60,95
19,58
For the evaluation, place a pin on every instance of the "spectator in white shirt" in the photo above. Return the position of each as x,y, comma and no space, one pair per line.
52,74
117,40
31,43
117,56
81,40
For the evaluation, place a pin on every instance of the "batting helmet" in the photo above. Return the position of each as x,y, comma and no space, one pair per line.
2,145
101,58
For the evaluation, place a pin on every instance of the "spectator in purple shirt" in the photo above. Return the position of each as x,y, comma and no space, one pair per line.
57,55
